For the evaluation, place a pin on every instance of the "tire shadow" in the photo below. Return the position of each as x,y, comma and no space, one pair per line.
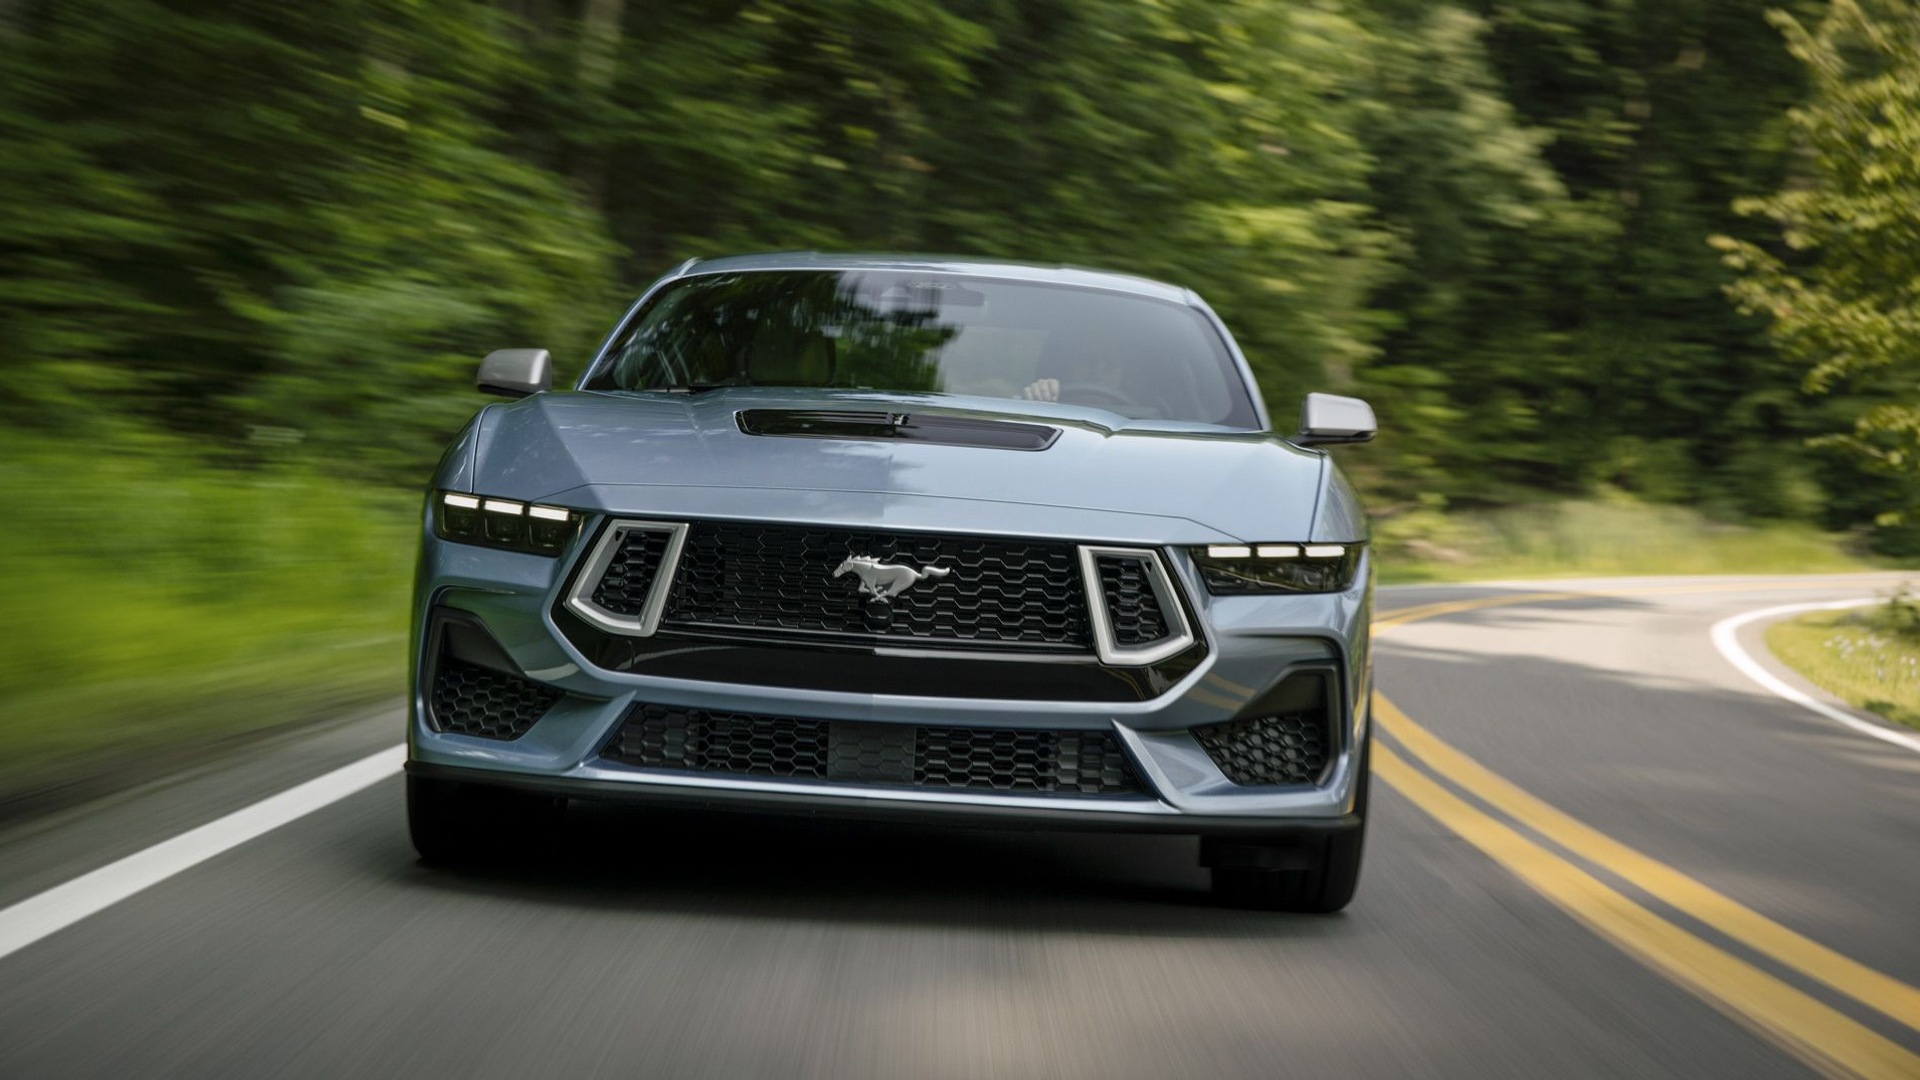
610,855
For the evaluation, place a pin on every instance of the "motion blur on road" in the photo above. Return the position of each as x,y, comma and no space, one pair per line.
1743,906
1629,285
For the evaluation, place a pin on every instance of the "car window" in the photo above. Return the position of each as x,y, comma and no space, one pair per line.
923,332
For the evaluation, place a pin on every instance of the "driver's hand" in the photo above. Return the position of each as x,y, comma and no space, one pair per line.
1041,390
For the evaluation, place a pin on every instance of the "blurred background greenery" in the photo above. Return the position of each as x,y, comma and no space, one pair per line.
1631,283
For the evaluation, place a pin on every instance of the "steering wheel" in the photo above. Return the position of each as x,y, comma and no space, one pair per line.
1100,394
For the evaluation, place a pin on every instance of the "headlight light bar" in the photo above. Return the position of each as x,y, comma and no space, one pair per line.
1244,569
504,523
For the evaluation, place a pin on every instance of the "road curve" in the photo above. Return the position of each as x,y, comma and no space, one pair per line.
1598,850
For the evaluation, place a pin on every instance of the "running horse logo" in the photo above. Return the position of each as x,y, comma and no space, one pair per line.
884,581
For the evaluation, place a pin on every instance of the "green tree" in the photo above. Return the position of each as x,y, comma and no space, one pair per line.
220,216
1476,376
1492,223
1211,143
1841,290
1555,167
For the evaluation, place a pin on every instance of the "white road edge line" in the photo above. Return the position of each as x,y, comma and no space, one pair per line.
1726,638
63,905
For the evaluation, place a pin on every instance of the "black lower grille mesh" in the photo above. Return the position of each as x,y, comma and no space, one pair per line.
1086,762
721,742
1269,749
900,755
472,700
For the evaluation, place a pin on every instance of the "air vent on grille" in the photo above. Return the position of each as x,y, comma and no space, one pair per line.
1131,604
472,700
624,587
781,579
1137,616
899,755
1269,749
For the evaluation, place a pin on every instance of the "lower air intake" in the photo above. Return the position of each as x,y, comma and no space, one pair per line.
1089,763
1269,749
702,741
892,755
472,700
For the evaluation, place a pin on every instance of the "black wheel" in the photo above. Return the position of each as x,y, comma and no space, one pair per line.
458,823
1316,876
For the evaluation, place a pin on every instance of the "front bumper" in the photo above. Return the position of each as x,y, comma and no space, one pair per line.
887,807
1253,642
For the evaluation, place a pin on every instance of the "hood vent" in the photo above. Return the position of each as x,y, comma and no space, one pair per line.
926,428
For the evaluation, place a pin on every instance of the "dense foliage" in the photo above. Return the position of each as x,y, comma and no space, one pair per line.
262,223
1843,295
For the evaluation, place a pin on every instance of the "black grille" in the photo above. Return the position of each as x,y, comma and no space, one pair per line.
472,700
1131,603
781,578
900,755
1087,762
705,741
623,588
1269,749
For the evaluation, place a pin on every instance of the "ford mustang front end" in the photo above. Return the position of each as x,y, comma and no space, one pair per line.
907,539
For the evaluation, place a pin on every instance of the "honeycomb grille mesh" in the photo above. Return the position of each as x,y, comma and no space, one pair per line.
629,576
1132,605
1269,749
704,741
1089,763
781,578
469,699
898,755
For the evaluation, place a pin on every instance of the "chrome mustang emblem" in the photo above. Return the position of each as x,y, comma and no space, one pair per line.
884,581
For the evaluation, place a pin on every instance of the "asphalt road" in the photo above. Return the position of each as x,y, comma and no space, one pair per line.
1744,902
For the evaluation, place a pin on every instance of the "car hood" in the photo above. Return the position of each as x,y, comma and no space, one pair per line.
1103,477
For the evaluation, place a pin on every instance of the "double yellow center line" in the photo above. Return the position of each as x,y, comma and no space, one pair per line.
1812,1030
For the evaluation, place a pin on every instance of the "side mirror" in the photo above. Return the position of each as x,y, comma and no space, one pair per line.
1328,419
515,372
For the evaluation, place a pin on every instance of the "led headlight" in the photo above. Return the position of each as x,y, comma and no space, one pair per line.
1240,569
504,523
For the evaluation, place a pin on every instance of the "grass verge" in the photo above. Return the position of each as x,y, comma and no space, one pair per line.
1861,656
154,605
1598,538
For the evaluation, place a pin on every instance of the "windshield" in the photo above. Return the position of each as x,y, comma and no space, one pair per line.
925,332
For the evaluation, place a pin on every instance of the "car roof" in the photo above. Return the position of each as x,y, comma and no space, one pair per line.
1058,274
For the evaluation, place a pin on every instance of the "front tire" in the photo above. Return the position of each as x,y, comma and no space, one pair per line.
1261,877
452,823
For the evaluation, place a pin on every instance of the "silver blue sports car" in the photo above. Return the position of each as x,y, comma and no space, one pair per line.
905,538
